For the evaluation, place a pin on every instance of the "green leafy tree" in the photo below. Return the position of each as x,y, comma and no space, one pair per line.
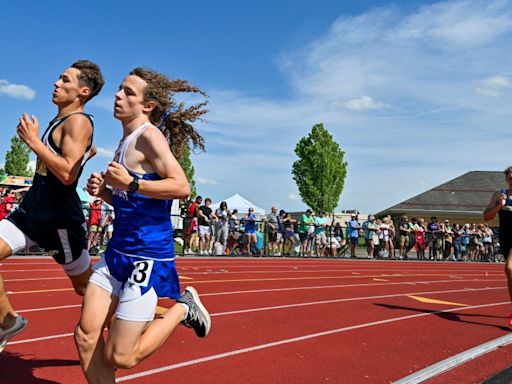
320,170
16,159
186,164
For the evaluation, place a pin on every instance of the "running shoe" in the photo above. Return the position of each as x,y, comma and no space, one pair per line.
198,317
20,323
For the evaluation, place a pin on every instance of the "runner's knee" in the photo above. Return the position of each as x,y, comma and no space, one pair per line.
86,340
120,359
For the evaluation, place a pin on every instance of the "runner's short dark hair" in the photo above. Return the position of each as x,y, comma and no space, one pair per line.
90,76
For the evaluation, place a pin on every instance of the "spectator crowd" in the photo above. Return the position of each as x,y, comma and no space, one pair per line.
225,231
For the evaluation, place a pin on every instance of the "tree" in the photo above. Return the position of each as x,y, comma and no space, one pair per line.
16,159
320,170
188,168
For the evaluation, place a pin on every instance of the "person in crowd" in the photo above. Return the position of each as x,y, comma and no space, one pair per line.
353,233
447,231
412,239
205,219
465,242
222,226
434,239
320,235
250,230
109,225
370,235
6,204
272,228
234,221
95,219
419,238
280,232
405,229
487,240
61,154
474,243
457,234
385,235
288,233
192,225
337,232
138,266
306,229
392,233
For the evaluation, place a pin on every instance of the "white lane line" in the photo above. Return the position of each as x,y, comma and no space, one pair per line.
348,299
278,307
290,289
344,286
3,271
454,361
49,308
292,340
40,278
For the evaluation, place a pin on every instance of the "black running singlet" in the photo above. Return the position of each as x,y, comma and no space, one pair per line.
49,200
505,235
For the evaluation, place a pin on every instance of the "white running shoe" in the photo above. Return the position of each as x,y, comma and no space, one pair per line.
5,334
198,317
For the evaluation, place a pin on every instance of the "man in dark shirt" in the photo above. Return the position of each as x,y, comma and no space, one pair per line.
205,229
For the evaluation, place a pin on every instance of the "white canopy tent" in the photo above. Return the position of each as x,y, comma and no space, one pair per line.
242,204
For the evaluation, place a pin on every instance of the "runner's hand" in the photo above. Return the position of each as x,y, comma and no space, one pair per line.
503,199
95,184
117,176
28,129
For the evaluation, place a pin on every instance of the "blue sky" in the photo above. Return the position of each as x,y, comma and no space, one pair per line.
415,92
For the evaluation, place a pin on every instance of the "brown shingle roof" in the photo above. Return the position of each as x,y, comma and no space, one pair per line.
466,194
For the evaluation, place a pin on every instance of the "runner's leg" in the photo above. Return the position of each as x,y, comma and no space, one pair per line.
130,342
98,307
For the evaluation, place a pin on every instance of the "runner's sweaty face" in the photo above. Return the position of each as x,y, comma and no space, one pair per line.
67,87
129,101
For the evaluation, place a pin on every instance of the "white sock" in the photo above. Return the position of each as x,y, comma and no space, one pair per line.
185,307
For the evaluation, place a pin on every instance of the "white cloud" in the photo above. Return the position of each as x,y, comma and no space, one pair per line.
18,91
294,197
363,103
425,120
495,86
103,152
204,181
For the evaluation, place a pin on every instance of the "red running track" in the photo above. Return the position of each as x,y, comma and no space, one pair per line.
283,321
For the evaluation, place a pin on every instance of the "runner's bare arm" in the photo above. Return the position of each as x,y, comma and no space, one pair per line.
495,204
154,146
92,152
75,137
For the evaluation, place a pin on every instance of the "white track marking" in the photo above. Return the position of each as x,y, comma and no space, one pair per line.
455,361
278,307
292,340
287,289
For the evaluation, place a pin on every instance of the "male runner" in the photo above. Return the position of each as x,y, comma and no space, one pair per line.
50,215
501,205
138,265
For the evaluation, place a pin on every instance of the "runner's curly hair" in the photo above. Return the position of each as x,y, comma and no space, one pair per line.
174,119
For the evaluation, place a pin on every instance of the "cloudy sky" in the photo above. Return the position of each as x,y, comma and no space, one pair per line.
415,92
